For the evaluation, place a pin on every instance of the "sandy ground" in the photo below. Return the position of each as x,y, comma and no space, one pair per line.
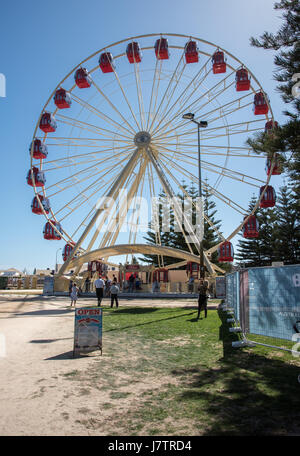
36,397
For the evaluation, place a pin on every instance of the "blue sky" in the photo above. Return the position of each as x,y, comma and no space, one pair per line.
41,43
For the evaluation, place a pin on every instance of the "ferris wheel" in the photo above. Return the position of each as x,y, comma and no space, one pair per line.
115,122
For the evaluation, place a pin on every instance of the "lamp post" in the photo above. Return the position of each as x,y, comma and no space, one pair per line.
202,124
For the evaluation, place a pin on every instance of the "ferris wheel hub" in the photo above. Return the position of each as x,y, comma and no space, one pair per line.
142,139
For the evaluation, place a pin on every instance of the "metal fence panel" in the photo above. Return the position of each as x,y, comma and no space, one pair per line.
274,301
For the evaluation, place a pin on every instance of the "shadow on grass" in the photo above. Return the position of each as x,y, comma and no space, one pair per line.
147,323
245,394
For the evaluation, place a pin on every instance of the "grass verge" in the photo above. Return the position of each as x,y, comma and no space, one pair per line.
165,373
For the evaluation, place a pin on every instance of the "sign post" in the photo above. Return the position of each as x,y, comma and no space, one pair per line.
87,330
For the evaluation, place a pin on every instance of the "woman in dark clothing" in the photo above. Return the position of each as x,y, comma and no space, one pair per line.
202,299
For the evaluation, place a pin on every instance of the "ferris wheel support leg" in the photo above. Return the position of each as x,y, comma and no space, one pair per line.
177,210
112,235
118,182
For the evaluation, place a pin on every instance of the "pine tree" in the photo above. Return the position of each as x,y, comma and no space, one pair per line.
286,139
259,251
287,229
175,238
286,41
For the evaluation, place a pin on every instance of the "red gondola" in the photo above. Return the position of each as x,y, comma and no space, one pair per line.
225,252
39,177
133,52
82,78
52,234
277,169
269,198
62,99
251,227
106,62
242,80
36,208
95,266
191,52
260,105
161,275
67,250
192,269
271,126
219,64
47,123
162,49
40,149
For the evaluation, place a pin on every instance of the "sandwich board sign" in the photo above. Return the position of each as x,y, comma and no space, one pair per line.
87,330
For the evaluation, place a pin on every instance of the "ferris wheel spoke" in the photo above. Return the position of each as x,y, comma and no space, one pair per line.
57,184
232,174
138,215
220,236
117,184
111,135
228,108
79,163
154,91
82,171
121,150
100,114
126,99
179,216
115,215
94,183
176,76
194,84
139,94
85,198
221,196
155,228
230,129
192,106
113,107
92,142
115,226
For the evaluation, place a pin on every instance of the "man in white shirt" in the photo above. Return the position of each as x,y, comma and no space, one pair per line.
99,284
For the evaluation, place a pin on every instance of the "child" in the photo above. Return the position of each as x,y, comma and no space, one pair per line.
74,294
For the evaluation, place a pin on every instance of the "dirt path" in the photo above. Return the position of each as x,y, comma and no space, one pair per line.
36,394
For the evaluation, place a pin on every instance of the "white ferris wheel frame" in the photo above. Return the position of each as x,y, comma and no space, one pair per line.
149,153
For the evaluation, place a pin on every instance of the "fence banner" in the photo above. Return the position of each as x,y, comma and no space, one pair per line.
274,301
266,300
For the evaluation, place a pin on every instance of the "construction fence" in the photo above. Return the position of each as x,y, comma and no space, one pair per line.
266,300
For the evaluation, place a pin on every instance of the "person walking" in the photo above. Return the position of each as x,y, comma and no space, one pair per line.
191,284
70,287
107,287
131,283
99,284
87,285
202,299
114,290
74,294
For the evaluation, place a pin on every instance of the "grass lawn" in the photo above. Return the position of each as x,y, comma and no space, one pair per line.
165,373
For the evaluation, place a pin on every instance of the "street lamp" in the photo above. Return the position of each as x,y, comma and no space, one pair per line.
202,124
